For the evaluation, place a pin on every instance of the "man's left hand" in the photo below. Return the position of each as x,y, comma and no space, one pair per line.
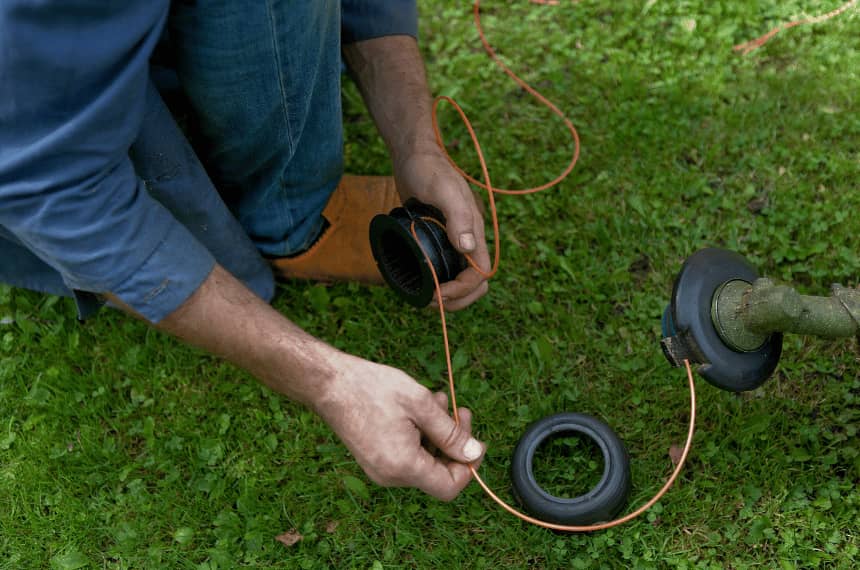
430,178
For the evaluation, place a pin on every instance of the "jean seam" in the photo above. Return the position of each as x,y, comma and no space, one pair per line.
278,63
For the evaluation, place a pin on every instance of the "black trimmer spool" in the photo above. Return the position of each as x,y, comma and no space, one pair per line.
689,331
401,260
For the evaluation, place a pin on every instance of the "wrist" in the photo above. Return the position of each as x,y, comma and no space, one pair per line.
333,395
390,74
415,154
303,369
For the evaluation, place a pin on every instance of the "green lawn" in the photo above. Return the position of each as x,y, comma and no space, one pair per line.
121,448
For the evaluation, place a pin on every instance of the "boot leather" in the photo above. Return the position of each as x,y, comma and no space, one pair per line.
342,253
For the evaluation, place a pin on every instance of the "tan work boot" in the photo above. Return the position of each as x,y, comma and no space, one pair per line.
342,253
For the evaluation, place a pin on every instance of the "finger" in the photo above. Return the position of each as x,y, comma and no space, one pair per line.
441,399
439,478
458,304
467,281
466,424
481,256
464,284
460,217
465,415
461,228
469,278
446,484
440,429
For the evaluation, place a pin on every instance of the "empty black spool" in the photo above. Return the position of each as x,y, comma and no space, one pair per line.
400,259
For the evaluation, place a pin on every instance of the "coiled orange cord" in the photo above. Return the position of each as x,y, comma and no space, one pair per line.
491,191
751,45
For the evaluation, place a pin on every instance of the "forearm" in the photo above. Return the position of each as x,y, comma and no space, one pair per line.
379,412
390,74
225,318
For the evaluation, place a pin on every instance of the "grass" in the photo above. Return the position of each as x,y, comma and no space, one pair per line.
121,448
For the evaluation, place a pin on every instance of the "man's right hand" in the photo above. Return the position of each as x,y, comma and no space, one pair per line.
393,425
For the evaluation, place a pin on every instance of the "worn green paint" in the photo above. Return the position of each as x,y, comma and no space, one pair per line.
743,314
726,311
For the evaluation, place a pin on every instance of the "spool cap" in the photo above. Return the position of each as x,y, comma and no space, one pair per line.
601,503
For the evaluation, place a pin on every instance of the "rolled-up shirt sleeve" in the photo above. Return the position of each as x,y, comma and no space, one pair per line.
368,19
73,82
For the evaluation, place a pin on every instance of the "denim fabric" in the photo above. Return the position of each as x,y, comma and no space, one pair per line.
69,111
367,19
78,215
206,231
173,176
264,81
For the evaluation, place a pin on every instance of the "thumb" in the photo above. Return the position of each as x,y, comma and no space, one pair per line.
453,440
460,227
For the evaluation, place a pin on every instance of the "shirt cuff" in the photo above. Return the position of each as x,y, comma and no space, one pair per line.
168,277
365,20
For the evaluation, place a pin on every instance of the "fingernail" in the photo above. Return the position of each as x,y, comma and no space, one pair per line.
472,450
467,241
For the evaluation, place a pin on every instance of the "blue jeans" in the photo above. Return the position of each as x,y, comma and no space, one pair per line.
263,79
173,176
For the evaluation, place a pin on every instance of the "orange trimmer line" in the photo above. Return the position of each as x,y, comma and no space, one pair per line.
487,185
545,524
751,45
491,191
476,12
628,517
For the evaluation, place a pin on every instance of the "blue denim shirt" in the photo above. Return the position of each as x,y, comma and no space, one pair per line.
75,215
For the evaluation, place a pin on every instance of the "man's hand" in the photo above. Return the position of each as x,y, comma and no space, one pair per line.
394,426
390,74
429,177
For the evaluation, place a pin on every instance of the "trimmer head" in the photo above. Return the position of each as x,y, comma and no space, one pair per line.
689,330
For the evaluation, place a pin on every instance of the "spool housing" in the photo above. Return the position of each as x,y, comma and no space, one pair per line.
399,257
